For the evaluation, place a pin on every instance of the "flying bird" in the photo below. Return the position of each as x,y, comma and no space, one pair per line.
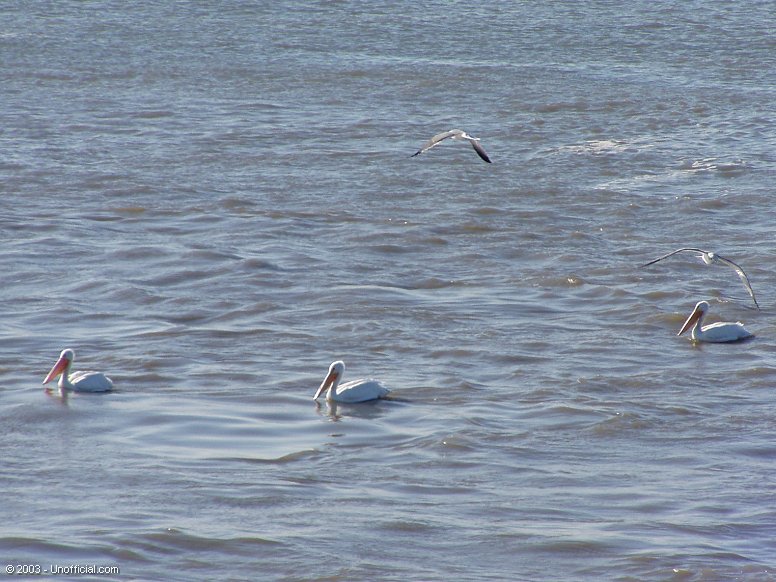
455,134
354,391
79,381
711,258
719,332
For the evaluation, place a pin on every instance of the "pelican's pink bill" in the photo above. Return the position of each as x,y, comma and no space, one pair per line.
694,317
326,383
56,370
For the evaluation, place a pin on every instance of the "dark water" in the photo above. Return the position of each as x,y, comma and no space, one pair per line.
212,202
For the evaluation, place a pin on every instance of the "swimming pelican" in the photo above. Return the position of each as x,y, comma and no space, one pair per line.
710,258
716,332
456,134
79,381
354,391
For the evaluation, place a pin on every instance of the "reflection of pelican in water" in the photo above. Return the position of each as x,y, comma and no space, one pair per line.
61,395
349,392
716,332
370,411
711,258
79,381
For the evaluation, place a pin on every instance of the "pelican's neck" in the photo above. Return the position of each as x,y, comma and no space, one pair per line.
697,330
332,391
64,378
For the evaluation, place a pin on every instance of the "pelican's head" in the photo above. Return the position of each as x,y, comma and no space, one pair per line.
64,361
333,376
700,310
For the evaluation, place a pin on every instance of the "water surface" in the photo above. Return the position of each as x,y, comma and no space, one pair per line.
211,203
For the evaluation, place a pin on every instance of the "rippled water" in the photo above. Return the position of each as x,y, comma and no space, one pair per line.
211,203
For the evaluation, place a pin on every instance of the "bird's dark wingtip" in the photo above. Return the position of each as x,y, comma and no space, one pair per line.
480,151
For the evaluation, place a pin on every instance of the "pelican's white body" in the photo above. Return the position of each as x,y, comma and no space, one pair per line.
78,381
86,382
720,332
354,391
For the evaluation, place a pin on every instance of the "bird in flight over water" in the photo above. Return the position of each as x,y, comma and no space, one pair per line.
711,258
455,134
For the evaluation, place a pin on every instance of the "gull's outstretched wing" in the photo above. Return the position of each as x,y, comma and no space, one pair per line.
436,139
480,152
673,253
741,275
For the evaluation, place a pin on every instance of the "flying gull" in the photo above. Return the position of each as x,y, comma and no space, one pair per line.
456,134
710,258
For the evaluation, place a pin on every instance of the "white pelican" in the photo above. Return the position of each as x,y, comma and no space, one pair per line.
79,381
456,134
354,391
711,258
716,332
